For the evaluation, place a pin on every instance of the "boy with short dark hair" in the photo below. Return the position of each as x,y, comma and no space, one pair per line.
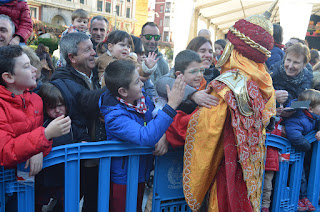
188,64
131,120
21,113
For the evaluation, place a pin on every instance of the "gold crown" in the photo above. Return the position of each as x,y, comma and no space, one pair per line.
263,20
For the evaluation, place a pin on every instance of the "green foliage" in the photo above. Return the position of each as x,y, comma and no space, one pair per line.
169,53
52,43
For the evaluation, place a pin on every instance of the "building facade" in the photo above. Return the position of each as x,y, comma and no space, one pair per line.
164,18
121,13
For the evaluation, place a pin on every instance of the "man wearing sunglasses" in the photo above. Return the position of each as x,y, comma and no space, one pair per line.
150,37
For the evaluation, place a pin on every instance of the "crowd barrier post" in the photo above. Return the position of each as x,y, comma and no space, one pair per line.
314,174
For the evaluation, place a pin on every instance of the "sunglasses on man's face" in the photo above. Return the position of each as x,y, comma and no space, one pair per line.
149,37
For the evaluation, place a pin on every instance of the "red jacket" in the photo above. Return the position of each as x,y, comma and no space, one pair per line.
21,131
19,12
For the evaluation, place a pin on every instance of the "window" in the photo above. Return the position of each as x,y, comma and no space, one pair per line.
81,1
128,14
108,7
161,9
128,0
99,5
118,10
160,23
166,36
168,7
33,12
167,21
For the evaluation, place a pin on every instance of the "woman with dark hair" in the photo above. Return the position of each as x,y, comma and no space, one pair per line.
46,62
277,53
203,47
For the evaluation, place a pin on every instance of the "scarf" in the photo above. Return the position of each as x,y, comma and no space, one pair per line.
279,45
296,80
141,106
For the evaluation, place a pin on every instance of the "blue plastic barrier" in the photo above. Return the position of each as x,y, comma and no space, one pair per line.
285,198
167,185
168,193
71,155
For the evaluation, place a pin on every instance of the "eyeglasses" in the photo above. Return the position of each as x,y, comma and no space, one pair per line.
197,71
149,37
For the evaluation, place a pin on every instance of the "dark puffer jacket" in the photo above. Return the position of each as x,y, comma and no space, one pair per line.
87,100
19,12
300,124
293,86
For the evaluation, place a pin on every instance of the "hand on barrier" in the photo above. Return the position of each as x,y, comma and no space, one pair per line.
204,99
175,95
35,163
161,147
59,126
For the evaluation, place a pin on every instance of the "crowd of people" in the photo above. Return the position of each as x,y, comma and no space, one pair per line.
218,101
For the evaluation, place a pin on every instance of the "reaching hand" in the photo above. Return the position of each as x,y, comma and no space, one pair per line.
35,163
202,98
151,60
59,126
175,95
281,96
161,147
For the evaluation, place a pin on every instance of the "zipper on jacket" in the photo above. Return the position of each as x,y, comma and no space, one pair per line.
24,102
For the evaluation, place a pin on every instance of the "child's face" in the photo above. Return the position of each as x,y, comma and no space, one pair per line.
81,24
58,110
134,92
218,49
141,57
193,74
24,74
315,110
120,50
206,54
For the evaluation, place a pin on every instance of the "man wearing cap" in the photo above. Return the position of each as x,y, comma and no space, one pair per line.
224,149
150,36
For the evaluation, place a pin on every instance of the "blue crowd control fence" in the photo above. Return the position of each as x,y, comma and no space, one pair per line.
168,193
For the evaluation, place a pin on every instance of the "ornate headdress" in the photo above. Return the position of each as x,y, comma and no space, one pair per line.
252,37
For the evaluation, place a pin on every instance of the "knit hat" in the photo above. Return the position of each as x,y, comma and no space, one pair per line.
252,37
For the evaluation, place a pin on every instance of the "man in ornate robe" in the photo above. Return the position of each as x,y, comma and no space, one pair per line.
225,145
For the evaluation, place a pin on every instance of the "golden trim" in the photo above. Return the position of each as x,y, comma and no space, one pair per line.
250,42
225,55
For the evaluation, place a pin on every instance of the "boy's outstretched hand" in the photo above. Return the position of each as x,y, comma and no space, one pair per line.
151,60
35,163
175,95
58,127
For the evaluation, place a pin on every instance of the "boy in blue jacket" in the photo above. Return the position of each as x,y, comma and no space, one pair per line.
131,120
297,126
